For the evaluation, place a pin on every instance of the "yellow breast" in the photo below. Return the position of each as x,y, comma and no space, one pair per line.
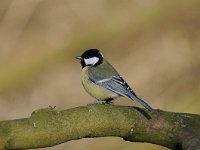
96,91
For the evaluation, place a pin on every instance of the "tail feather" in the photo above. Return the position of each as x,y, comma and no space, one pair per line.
143,103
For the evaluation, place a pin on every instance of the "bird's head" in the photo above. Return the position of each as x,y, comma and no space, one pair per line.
91,57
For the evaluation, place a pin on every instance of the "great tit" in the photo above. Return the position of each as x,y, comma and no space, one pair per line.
102,81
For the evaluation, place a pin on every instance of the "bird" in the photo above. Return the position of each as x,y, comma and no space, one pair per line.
101,80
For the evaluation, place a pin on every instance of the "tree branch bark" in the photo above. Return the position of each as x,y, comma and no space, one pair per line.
49,127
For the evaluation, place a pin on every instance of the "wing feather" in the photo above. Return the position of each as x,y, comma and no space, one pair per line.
115,84
119,86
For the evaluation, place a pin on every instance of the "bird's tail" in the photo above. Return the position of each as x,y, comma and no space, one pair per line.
143,103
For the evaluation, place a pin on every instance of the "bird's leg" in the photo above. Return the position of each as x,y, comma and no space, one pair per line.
109,101
96,102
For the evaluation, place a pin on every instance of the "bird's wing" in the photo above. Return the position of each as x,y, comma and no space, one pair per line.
107,77
119,86
115,84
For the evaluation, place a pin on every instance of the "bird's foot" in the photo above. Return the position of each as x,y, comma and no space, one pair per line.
96,102
109,102
100,102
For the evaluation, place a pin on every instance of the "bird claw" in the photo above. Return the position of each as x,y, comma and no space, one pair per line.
100,102
96,102
109,102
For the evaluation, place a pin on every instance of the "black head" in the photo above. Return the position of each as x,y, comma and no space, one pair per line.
91,57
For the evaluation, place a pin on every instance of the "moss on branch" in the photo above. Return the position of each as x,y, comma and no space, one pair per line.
49,127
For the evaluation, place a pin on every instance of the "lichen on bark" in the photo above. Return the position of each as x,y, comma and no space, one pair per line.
48,127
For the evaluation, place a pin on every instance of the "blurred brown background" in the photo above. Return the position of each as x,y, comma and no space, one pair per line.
155,45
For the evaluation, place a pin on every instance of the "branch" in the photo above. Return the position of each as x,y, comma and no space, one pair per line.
49,127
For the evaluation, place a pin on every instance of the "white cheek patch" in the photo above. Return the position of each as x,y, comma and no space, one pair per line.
91,61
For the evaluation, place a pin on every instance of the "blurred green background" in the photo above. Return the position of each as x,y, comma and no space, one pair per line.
155,45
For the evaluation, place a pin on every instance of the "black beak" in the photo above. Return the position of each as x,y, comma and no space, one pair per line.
79,57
